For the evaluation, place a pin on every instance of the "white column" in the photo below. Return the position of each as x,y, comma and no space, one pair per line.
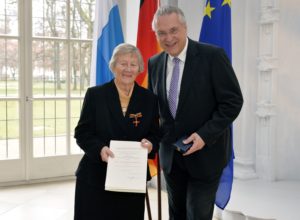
267,68
244,54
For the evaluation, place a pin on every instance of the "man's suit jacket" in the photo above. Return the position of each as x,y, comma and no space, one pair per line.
102,120
209,100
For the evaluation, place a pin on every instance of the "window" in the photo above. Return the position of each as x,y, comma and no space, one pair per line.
44,95
9,80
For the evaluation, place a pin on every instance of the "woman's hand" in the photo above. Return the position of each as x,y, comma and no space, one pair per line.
105,153
147,144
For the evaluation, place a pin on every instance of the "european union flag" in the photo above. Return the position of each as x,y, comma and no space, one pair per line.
216,29
216,25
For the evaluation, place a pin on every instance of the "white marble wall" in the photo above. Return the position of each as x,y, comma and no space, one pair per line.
288,92
266,51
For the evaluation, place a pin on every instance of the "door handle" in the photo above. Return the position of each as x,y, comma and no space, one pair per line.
29,99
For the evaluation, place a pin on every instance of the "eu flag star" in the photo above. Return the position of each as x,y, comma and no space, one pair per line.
226,2
208,10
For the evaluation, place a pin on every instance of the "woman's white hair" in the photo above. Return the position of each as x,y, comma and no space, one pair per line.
123,49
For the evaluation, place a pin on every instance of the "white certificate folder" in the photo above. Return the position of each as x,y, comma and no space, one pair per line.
127,171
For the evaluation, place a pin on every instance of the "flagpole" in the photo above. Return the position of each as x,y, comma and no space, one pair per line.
158,175
148,205
147,43
158,188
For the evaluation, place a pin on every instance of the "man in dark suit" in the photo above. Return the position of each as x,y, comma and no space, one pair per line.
208,100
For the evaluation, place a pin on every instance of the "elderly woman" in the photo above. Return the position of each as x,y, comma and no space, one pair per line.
106,115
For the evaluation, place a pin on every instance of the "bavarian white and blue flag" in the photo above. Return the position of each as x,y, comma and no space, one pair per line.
107,35
216,29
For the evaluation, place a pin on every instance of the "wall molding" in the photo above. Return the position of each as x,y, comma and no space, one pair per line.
244,168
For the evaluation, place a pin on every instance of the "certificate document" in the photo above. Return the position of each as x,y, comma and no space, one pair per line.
127,171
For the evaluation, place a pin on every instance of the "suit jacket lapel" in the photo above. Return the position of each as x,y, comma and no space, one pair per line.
163,76
134,103
188,74
115,105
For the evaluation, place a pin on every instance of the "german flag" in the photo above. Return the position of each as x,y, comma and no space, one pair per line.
146,39
148,45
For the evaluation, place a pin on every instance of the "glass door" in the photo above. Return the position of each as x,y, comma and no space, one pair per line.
61,56
12,162
44,74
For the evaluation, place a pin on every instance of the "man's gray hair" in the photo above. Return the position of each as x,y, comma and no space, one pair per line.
123,49
167,10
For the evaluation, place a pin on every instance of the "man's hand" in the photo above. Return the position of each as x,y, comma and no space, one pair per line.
198,143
